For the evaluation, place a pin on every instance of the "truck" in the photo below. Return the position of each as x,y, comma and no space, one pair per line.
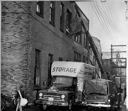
67,87
101,93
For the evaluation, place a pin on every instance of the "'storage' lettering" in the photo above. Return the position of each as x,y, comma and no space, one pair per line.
63,69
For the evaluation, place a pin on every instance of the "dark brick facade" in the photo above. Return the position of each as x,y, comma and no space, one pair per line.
16,47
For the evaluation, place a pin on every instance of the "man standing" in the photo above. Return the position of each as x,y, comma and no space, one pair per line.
20,100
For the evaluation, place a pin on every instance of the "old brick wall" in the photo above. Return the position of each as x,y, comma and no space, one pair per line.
16,47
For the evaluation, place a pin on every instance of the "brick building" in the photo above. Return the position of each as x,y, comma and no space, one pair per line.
34,34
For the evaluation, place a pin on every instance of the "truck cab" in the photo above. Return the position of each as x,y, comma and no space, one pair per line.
101,94
61,93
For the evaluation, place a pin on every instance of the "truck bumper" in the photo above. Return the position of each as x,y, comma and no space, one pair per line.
99,105
51,103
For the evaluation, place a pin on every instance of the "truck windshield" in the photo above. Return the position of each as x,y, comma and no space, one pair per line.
62,81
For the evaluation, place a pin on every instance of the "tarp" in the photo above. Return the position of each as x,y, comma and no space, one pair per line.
72,69
96,86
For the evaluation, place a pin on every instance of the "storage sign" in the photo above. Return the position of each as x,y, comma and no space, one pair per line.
72,69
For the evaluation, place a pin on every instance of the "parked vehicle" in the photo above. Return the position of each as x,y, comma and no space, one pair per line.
67,84
101,93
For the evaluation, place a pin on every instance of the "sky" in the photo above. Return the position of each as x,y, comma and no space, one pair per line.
107,21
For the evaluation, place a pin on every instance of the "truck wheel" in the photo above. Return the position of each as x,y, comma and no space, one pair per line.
70,106
44,106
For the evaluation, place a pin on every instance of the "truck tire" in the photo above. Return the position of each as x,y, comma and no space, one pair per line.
70,105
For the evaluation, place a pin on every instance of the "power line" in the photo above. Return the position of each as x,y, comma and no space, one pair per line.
99,18
108,14
101,14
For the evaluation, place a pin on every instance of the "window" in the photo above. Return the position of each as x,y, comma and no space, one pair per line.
60,59
77,56
94,60
52,13
68,22
50,60
78,38
37,72
62,17
90,51
85,41
84,59
40,9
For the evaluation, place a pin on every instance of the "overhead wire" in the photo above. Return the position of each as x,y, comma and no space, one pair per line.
96,15
105,15
108,14
102,16
99,17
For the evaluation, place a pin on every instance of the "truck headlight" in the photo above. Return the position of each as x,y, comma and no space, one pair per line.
62,96
109,100
40,94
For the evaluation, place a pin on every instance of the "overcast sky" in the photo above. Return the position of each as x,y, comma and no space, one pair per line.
107,21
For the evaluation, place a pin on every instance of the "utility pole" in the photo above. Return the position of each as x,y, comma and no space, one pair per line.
118,64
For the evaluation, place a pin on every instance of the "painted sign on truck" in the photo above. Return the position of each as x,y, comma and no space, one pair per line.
73,69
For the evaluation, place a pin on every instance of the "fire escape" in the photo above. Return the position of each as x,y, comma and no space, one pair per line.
118,68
